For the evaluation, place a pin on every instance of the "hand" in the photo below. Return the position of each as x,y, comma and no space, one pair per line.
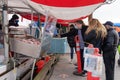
59,36
90,46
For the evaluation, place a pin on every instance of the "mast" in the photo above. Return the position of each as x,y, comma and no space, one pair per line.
5,28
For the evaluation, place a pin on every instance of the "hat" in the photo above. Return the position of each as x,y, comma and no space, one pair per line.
15,16
109,23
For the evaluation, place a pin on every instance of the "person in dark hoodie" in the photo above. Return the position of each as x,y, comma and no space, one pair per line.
14,20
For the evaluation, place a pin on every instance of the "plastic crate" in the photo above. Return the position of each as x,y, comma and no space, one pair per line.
58,45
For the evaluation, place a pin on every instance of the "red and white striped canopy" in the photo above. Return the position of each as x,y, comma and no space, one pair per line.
64,10
69,9
68,3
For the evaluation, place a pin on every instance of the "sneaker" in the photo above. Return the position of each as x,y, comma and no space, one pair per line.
84,74
71,62
76,67
76,64
77,73
80,74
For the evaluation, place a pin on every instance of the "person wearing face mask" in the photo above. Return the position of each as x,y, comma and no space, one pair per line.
14,21
81,28
71,40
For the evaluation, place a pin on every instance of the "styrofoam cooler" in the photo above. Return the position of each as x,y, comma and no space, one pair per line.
24,48
58,45
3,68
32,32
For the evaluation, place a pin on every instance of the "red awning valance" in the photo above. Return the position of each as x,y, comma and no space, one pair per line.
42,19
68,3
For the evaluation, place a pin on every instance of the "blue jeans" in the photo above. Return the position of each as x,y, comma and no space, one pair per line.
72,52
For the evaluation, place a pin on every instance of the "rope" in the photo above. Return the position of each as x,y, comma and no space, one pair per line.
109,1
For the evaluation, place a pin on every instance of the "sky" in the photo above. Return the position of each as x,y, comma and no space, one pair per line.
107,12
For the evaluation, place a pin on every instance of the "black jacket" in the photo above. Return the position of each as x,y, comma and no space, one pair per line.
111,41
84,28
13,23
71,37
94,39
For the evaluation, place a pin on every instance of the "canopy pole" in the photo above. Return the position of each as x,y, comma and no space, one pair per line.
31,22
39,20
5,29
39,26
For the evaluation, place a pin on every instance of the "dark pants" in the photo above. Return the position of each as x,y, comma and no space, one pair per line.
82,59
109,61
72,52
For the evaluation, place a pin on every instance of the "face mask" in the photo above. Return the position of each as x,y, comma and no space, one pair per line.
76,27
16,21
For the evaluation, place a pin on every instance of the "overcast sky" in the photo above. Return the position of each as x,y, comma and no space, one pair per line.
108,12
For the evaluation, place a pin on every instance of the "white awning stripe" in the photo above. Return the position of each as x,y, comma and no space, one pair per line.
65,13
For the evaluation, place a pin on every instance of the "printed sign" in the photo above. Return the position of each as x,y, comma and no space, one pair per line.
93,64
88,51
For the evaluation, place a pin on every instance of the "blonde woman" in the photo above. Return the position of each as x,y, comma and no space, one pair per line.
95,33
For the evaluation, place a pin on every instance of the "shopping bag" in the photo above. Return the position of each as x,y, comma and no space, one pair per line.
88,51
93,63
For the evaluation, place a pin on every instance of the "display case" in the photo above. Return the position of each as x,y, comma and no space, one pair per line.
58,45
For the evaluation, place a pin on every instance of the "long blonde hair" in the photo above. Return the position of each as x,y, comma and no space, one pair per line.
94,24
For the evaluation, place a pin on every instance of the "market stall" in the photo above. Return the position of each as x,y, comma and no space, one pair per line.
32,49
